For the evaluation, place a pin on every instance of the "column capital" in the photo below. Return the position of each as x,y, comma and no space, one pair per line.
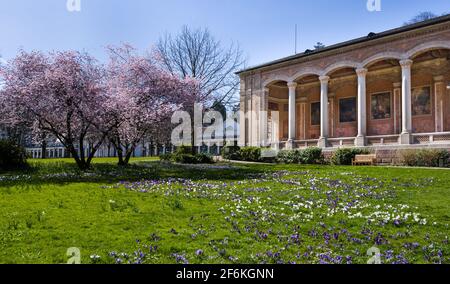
361,72
406,63
266,90
292,85
324,79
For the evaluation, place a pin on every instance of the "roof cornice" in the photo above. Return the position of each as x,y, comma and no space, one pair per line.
340,47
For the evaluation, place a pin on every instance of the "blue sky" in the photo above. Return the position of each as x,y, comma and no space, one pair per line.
263,28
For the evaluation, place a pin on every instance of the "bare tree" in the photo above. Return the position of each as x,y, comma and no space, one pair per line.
197,54
423,16
319,46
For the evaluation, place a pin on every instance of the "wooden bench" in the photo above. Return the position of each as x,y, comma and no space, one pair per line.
365,160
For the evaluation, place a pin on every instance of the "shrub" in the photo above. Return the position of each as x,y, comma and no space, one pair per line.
425,158
231,153
183,150
307,156
250,154
288,157
203,159
188,158
166,157
182,154
345,156
185,159
12,156
311,156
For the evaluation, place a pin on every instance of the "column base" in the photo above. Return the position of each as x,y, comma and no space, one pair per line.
360,141
405,138
290,144
323,142
276,146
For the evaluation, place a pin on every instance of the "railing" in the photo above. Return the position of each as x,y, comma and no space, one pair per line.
380,140
341,141
436,138
306,143
431,138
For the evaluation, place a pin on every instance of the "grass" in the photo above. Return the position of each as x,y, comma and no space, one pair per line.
151,212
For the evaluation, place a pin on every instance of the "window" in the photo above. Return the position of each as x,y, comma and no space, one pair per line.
315,113
381,106
347,110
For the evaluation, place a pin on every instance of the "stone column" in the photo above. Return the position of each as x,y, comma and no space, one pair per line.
252,119
405,136
362,118
292,105
439,91
264,106
323,111
331,114
397,107
242,115
303,102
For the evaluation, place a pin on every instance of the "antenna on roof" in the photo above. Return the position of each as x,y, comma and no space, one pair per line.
295,39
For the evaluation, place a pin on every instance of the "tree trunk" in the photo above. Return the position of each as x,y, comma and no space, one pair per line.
44,149
128,157
81,163
120,156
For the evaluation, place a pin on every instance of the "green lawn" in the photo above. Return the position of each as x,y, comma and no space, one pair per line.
160,213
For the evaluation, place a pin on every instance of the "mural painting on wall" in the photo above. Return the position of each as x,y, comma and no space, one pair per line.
315,113
347,110
381,106
421,101
273,106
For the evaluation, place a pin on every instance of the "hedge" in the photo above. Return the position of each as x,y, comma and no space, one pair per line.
306,156
344,156
184,155
12,156
231,153
425,158
250,154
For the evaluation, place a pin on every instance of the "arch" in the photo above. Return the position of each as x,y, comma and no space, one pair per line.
274,79
381,56
340,65
306,72
427,47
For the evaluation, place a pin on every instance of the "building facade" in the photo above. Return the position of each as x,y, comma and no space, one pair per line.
390,89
